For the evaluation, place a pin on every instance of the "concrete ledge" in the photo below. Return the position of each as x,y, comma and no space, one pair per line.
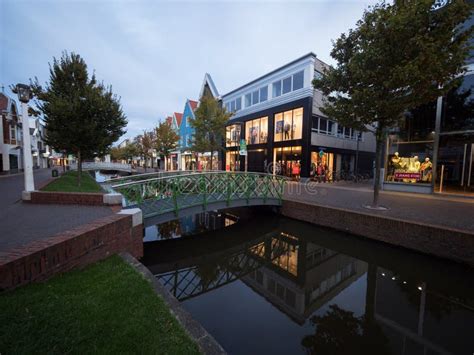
26,195
136,213
112,199
444,242
67,198
205,341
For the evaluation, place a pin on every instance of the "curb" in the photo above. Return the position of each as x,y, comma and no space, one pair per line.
205,341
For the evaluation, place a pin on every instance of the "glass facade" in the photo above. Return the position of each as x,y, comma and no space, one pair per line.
289,125
232,161
256,131
232,136
286,159
322,166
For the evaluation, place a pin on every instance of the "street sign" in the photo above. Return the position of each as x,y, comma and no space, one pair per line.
243,147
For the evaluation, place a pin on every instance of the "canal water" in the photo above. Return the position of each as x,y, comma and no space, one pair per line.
270,285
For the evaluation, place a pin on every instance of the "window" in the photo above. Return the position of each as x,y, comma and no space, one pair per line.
323,126
248,100
227,106
347,132
256,131
264,94
232,135
318,75
287,85
340,131
288,125
232,106
331,128
277,88
238,104
255,97
298,80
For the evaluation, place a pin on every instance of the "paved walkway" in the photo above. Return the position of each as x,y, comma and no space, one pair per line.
21,223
453,212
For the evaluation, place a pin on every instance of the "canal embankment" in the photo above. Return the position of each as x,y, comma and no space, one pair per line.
432,238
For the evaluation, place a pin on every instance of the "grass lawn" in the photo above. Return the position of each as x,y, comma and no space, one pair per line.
68,183
106,308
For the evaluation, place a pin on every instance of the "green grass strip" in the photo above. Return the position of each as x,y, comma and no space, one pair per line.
68,183
107,308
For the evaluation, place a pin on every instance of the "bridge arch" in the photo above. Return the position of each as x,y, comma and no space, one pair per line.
168,197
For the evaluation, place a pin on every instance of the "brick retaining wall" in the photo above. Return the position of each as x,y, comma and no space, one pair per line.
449,243
76,248
67,198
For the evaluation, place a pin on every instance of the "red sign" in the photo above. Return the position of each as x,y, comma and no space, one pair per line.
416,176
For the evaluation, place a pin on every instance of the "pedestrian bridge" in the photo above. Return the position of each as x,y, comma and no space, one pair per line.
169,196
92,165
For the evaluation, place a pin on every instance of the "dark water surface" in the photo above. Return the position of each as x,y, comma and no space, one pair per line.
270,285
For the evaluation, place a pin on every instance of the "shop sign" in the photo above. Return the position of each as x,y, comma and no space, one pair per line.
412,176
243,147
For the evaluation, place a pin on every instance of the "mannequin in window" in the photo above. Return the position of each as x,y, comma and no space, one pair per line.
395,163
426,170
287,129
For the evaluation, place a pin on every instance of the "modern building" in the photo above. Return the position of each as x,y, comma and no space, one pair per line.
433,150
278,115
11,136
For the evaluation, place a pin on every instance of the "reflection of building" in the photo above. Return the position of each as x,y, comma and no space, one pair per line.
278,116
301,276
417,318
410,163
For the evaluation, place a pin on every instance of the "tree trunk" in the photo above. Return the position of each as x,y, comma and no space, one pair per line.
212,160
145,160
378,166
79,168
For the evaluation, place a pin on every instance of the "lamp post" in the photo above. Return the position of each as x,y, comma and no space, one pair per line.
24,95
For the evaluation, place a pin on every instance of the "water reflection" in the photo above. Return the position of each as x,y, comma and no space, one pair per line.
297,288
190,225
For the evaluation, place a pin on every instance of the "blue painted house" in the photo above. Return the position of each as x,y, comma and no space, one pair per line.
188,161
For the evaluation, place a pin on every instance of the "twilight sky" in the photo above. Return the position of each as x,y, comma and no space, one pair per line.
155,54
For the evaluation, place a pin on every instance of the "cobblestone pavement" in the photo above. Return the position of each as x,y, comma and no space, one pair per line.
453,212
21,223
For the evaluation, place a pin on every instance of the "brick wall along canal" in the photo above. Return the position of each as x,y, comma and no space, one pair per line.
272,285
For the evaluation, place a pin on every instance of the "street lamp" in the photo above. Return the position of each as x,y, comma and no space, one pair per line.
25,95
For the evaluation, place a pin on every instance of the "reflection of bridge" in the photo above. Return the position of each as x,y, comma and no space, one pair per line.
103,166
171,196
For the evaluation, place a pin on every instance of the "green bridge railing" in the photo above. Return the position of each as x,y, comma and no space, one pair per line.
158,195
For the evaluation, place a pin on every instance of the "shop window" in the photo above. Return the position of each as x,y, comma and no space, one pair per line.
409,162
285,159
256,131
232,161
322,166
232,136
288,125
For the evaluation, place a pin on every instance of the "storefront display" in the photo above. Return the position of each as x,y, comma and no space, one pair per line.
232,161
286,160
409,169
288,125
232,136
256,131
322,166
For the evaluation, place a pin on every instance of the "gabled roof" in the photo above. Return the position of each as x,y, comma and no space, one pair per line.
193,104
178,117
8,106
208,81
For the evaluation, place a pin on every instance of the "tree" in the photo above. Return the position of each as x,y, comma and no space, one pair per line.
209,126
166,139
130,151
398,57
144,143
116,153
82,116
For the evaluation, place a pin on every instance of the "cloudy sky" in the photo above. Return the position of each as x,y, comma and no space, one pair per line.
155,54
